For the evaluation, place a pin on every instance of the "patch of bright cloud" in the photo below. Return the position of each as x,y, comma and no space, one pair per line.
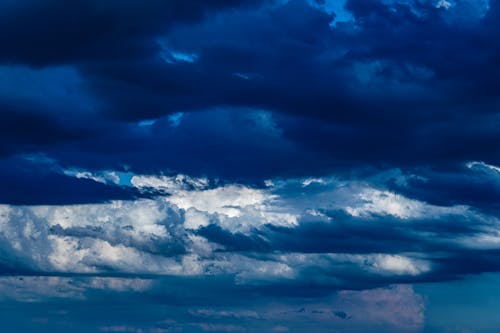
242,76
443,4
175,119
169,184
310,181
172,56
482,166
237,208
372,201
398,265
105,177
144,123
164,234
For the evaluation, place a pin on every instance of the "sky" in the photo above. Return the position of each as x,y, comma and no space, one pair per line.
250,166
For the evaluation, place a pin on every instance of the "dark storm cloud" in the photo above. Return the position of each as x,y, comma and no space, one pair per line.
220,142
53,189
28,182
26,127
403,84
476,186
41,33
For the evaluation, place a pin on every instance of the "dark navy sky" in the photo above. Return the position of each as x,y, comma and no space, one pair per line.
249,166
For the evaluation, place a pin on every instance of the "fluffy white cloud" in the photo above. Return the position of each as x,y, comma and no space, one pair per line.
235,208
396,264
357,198
379,263
227,200
160,235
376,202
139,218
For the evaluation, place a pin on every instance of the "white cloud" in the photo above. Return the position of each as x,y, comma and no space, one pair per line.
172,56
396,265
119,284
483,166
175,119
236,208
310,181
159,236
194,219
169,184
371,201
443,4
104,177
144,216
377,263
227,200
250,271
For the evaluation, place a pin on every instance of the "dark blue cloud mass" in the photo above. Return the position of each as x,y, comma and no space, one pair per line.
402,83
249,166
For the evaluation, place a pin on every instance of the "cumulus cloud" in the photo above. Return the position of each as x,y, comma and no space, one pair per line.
372,201
191,227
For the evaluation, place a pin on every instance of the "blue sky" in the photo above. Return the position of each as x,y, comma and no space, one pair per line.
249,166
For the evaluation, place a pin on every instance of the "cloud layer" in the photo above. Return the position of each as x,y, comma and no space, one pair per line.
227,166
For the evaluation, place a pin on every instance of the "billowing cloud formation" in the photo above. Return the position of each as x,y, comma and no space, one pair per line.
260,235
289,255
382,82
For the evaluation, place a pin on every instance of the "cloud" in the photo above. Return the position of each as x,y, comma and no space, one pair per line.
222,314
221,328
383,202
244,165
88,25
331,96
397,306
482,165
399,265
353,233
40,288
